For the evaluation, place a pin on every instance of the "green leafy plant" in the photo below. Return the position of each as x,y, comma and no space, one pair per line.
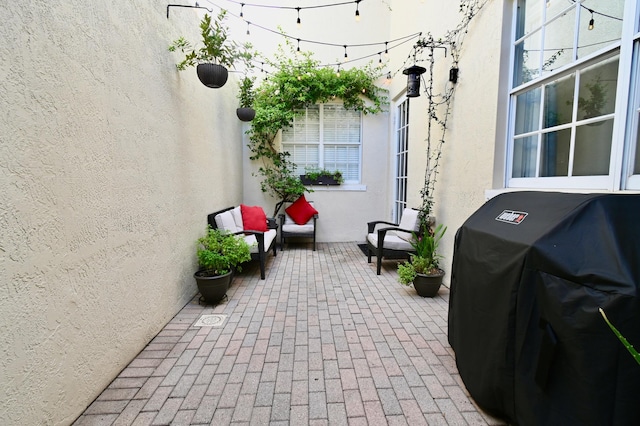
280,181
246,95
216,45
426,260
298,82
622,339
218,252
314,174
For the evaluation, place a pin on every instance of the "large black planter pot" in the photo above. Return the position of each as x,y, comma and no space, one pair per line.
212,289
246,114
212,75
428,285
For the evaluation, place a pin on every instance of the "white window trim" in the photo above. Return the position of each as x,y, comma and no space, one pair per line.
620,157
347,185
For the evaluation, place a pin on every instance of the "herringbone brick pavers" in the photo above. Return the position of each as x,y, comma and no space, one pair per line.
323,340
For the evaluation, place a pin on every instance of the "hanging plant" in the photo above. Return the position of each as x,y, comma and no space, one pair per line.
297,83
246,95
216,54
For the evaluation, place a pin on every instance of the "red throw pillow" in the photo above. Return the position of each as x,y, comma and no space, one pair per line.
253,218
301,211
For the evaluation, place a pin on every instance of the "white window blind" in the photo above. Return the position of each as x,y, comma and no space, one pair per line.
326,136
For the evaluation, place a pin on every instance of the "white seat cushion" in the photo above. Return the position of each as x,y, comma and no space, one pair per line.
297,229
392,242
268,238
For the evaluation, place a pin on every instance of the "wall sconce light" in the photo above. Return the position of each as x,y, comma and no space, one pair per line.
413,74
453,75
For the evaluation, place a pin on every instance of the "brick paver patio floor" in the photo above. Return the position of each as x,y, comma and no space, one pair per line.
322,341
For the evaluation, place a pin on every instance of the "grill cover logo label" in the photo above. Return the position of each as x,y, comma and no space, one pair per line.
512,217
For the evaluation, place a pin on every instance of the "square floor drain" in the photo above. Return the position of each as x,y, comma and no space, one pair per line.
215,320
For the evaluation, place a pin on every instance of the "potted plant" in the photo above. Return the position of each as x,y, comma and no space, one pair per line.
423,269
219,253
216,54
315,176
246,96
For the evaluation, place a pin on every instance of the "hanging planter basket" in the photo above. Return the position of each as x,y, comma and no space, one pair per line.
246,114
212,75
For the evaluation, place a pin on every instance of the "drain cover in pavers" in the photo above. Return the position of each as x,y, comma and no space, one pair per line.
210,320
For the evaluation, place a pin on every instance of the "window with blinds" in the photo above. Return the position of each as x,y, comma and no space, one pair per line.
326,136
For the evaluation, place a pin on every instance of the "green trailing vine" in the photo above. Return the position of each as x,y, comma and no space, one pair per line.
297,83
439,104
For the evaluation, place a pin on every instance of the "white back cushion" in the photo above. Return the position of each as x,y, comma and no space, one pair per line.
225,221
409,220
237,217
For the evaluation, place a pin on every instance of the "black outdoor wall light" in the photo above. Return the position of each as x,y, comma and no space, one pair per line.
413,74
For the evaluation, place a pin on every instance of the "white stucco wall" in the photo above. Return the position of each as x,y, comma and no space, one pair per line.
110,160
467,165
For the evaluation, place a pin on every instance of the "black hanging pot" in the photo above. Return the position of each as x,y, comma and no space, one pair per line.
246,114
212,75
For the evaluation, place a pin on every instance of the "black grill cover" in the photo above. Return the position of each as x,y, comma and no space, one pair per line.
530,270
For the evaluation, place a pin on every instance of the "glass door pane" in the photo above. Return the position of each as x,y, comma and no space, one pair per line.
402,157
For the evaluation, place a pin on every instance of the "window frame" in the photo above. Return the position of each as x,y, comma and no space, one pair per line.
620,142
322,144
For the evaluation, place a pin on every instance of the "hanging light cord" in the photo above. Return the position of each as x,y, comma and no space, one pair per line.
267,6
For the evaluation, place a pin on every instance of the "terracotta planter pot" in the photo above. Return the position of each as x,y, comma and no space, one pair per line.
213,288
428,285
212,75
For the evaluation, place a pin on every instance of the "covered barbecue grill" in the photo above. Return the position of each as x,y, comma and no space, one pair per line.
530,270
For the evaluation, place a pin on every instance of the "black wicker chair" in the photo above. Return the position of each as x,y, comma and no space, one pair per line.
266,241
394,241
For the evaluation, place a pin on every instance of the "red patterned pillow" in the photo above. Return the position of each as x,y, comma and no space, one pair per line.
253,218
301,211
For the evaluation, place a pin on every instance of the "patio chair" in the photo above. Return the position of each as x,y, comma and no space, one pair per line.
261,238
392,242
298,228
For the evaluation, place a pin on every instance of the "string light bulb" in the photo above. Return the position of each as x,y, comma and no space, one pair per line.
591,21
358,10
388,79
298,50
345,53
379,57
298,22
248,24
338,72
386,49
241,10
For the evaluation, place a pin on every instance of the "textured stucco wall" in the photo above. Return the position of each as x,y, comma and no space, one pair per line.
110,160
467,163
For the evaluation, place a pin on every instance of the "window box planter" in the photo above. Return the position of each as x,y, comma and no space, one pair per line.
320,180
